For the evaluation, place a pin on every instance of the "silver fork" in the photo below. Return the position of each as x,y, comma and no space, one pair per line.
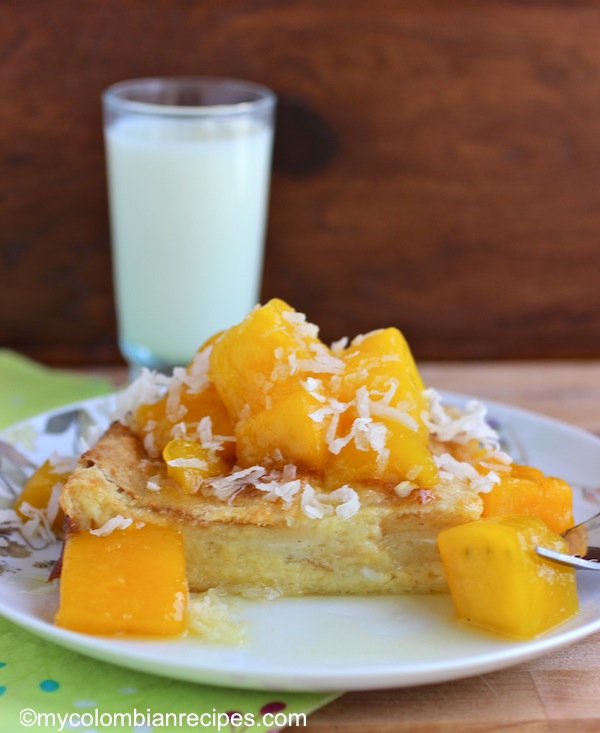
583,543
15,468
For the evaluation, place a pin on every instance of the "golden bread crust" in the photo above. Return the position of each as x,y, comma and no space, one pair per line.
252,542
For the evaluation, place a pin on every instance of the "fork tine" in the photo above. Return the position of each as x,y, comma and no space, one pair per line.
573,560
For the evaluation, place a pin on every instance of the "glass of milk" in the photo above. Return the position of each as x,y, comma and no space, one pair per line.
188,165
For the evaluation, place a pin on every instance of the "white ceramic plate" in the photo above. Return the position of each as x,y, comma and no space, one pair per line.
314,643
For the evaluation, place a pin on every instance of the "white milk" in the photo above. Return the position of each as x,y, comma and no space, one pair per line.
188,205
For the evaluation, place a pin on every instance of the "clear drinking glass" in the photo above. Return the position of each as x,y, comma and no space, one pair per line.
188,166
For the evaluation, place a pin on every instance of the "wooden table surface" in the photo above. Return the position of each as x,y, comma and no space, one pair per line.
557,692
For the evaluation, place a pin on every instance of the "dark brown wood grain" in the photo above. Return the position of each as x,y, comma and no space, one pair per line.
437,165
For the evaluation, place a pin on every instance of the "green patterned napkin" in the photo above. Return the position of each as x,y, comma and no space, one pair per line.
28,388
46,687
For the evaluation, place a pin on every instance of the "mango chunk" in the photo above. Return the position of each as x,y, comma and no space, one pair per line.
388,347
404,456
154,423
37,492
284,432
131,581
189,463
264,357
526,490
381,375
498,581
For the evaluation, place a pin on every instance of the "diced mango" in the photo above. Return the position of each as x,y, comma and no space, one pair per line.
37,492
499,582
253,363
131,581
286,431
189,463
387,347
152,419
392,448
380,380
526,490
404,456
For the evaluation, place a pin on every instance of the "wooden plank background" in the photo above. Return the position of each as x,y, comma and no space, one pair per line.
437,164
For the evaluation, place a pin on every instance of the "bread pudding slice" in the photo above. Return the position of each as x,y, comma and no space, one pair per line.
253,542
295,468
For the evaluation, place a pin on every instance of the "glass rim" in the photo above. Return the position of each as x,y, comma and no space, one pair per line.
265,98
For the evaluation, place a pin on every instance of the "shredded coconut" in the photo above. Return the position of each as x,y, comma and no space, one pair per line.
337,347
450,469
343,501
147,388
469,424
150,446
196,463
118,522
349,503
311,504
38,524
303,328
357,340
316,366
277,489
462,427
196,378
208,440
404,489
226,487
53,505
153,483
174,409
315,387
62,464
381,409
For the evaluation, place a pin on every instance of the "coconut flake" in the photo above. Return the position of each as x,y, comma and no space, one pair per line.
226,487
38,524
452,469
469,424
278,489
62,464
314,387
343,501
311,504
53,505
349,503
383,458
303,328
153,483
197,378
150,446
147,388
118,522
404,489
337,347
175,411
208,440
196,463
316,366
381,409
